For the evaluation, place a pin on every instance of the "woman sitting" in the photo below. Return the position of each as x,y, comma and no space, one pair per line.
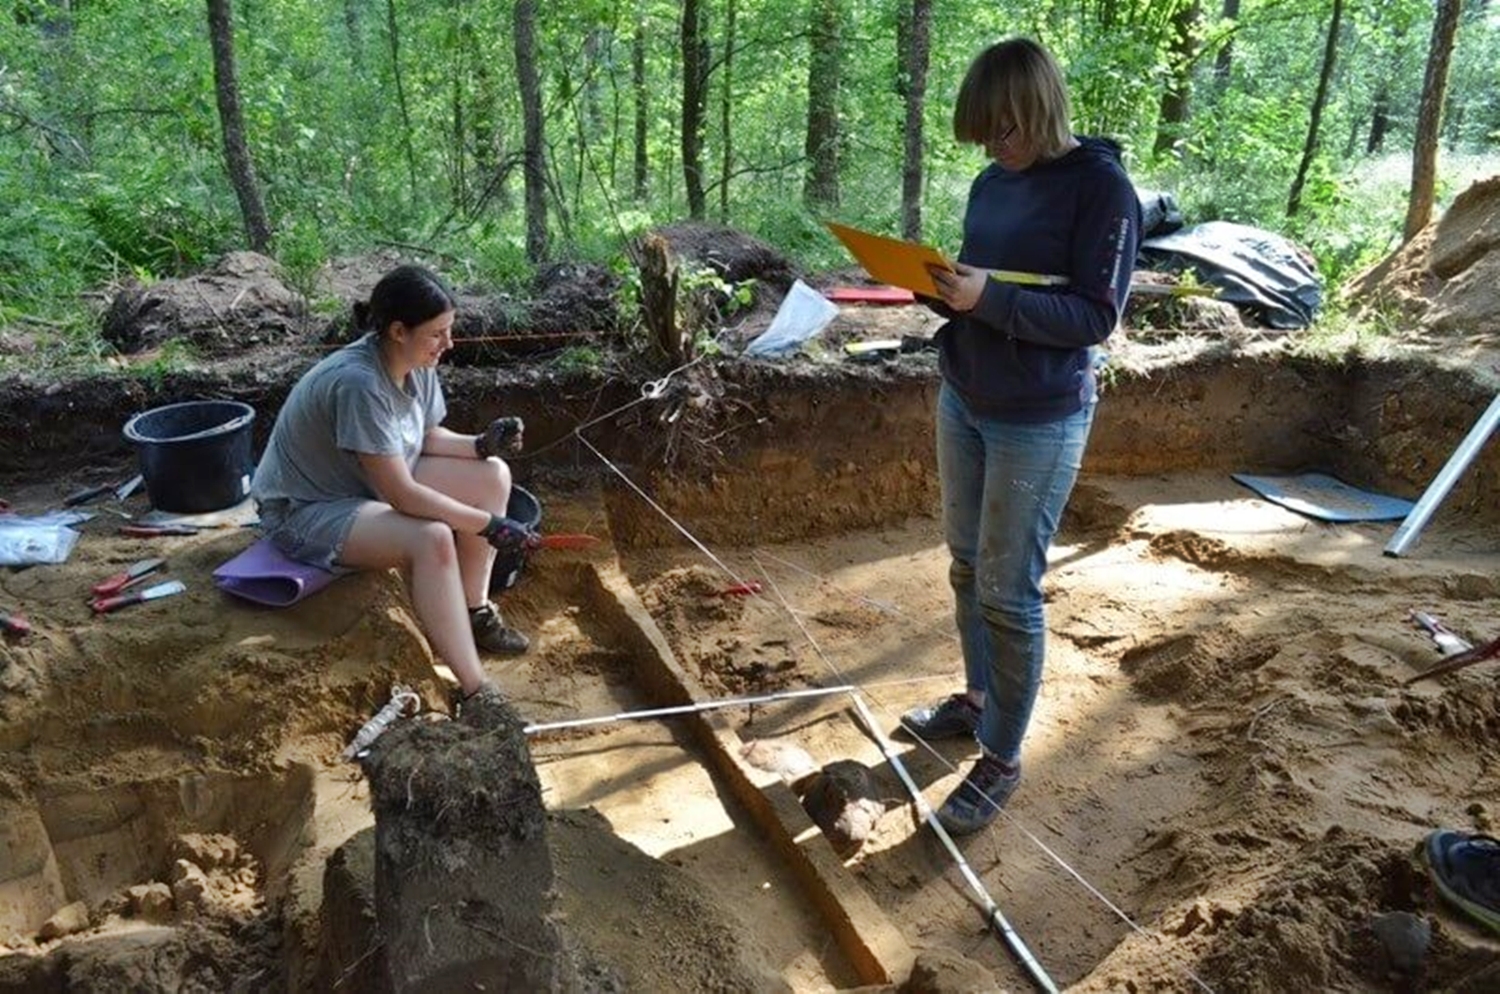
360,474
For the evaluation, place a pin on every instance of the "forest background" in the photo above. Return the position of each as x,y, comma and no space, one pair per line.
139,140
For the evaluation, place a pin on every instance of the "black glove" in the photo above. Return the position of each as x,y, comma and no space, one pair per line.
508,535
504,436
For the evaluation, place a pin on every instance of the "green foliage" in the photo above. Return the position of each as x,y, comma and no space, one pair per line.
579,360
110,157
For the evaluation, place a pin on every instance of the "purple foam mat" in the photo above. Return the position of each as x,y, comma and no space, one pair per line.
264,575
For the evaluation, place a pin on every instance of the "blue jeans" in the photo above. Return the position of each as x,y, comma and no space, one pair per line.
1004,489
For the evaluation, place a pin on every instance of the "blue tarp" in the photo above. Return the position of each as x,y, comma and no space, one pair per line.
1319,496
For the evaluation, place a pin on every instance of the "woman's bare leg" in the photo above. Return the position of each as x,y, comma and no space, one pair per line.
382,538
481,483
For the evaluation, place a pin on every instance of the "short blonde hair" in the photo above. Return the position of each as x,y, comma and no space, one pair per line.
1015,83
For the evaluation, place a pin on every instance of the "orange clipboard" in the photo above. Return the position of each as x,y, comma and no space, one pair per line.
891,260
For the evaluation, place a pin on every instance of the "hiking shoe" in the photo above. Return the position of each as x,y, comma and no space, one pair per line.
951,718
1466,870
976,801
492,635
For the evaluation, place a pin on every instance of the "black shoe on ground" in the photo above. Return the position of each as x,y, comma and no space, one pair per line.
493,636
951,718
976,801
1466,870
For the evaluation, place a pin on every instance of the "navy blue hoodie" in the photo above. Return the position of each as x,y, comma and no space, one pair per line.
1025,353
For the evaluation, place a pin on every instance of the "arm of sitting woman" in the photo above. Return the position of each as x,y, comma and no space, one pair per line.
393,483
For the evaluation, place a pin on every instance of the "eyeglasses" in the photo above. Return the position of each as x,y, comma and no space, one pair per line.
1004,139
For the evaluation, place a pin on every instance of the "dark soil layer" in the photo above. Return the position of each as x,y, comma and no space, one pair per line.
463,876
754,452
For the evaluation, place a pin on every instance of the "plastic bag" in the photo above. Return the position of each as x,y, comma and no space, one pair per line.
1254,269
803,314
40,540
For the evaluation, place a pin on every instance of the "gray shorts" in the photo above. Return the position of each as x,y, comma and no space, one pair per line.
312,532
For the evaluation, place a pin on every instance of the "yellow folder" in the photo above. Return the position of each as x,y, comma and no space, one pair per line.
904,264
891,260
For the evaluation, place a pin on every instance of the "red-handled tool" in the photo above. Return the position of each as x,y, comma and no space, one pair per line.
104,605
1460,660
568,542
14,624
133,575
157,531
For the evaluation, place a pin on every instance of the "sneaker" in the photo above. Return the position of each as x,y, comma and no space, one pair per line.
492,635
952,718
1466,870
976,801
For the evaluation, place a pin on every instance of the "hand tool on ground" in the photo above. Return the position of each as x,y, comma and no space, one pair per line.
104,605
1448,641
129,487
157,531
1462,660
128,578
404,702
87,494
14,624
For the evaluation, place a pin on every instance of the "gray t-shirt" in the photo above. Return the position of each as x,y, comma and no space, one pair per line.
346,404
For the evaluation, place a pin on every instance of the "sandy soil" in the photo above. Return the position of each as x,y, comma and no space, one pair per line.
1223,747
128,737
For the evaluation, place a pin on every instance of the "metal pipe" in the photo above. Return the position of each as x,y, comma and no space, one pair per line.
729,702
1444,481
992,912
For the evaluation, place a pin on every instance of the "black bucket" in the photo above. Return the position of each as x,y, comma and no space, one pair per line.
195,457
525,508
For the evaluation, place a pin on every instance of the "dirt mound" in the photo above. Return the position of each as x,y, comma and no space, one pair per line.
1321,921
1192,667
1447,278
208,931
733,254
241,302
195,957
1317,925
648,920
567,304
1150,314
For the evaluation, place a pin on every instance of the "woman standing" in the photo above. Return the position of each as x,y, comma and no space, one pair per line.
360,474
1019,391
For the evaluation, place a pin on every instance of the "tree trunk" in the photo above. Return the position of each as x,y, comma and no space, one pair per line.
459,178
351,28
821,188
236,152
726,93
1176,99
694,101
1310,147
593,54
393,33
1380,120
1224,60
1430,117
531,115
638,87
915,58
